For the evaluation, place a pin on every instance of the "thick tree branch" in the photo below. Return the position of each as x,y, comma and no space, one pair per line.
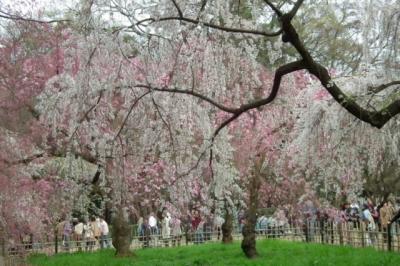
96,177
280,72
193,93
295,8
375,118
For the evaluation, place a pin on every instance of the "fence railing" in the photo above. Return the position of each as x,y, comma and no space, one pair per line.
355,234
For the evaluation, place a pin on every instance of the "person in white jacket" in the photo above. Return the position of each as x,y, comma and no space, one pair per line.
165,226
369,221
104,231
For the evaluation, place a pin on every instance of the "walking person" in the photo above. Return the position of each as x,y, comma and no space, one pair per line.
144,233
370,223
78,234
197,227
176,232
104,231
88,236
165,226
153,224
95,225
385,215
67,231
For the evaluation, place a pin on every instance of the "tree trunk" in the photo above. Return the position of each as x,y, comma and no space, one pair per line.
227,228
249,234
2,245
249,241
122,234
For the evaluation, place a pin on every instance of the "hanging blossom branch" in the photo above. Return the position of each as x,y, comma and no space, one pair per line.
210,25
207,24
236,112
280,72
194,166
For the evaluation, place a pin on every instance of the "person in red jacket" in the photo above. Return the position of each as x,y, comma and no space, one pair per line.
197,227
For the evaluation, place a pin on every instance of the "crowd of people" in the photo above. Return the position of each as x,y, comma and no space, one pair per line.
170,230
374,217
198,228
84,233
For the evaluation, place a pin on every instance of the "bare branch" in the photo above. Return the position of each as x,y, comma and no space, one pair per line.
224,124
274,8
9,16
203,5
196,164
171,135
86,115
25,160
129,112
383,86
177,8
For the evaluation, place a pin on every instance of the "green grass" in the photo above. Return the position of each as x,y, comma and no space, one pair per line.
272,252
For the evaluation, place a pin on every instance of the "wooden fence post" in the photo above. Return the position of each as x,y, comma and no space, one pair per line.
362,234
55,241
2,244
340,225
389,237
2,247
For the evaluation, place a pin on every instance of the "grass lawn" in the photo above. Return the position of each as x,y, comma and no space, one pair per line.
272,252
